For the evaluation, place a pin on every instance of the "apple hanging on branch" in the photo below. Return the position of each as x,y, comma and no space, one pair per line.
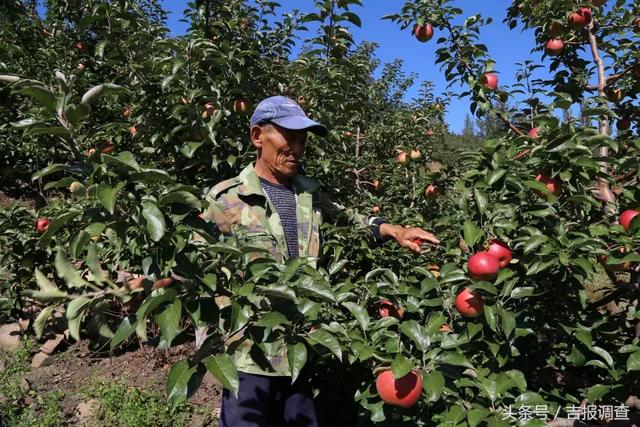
554,47
423,33
490,81
403,392
626,217
42,224
483,266
469,303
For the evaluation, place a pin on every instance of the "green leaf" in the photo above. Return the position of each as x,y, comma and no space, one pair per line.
471,233
182,381
156,226
155,301
53,131
633,362
47,290
41,94
97,92
324,338
181,197
169,322
74,327
41,320
401,366
77,306
67,272
359,313
126,328
433,385
315,288
481,200
417,333
604,354
476,415
297,357
223,368
495,176
107,196
596,392
56,167
272,319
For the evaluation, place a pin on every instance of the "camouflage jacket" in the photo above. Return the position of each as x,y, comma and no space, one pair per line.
240,208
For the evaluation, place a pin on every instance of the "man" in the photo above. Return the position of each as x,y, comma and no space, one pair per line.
270,205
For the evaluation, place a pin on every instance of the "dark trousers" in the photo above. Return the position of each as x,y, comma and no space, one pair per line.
268,402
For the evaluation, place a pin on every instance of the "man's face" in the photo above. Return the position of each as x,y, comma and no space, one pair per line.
280,149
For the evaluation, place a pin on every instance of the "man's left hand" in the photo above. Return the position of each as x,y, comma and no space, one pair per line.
408,237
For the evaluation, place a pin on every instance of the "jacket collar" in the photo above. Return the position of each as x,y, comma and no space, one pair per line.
250,183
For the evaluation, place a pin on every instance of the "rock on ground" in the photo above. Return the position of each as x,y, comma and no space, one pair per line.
10,337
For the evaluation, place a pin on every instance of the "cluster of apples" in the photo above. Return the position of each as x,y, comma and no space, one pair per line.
402,157
576,20
482,266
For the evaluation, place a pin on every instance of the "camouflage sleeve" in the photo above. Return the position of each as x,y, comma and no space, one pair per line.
341,215
216,213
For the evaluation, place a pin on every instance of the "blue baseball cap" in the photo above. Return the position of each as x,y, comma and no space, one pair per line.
287,113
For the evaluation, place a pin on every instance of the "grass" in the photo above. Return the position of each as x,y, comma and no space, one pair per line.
121,405
25,408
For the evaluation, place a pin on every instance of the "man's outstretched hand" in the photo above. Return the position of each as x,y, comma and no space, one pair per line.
408,237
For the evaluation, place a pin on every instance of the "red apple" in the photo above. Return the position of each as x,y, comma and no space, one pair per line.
108,149
42,224
375,209
554,47
552,185
429,132
402,157
623,124
614,95
483,266
423,33
209,110
242,106
501,252
432,191
388,309
80,67
163,283
533,133
376,184
469,303
403,392
415,154
626,217
490,81
81,46
133,130
580,18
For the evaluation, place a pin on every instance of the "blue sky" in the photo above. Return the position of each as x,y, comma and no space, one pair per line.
506,46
